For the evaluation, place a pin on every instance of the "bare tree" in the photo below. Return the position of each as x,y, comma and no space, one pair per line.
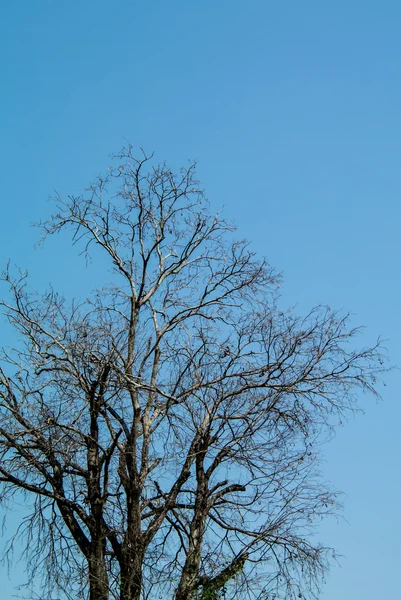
167,429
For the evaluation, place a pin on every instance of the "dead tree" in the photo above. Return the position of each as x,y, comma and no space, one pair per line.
166,430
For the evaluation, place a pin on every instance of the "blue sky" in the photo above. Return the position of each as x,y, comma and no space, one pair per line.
293,111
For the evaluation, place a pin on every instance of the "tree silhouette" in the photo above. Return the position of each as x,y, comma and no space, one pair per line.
167,429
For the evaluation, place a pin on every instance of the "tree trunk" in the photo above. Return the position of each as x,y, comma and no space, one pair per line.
190,570
131,575
98,580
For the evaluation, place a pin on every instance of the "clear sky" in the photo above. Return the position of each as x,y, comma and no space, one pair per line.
293,110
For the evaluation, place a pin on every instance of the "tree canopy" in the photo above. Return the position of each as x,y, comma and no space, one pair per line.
166,430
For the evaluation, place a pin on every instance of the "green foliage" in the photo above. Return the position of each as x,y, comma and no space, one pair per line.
215,588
